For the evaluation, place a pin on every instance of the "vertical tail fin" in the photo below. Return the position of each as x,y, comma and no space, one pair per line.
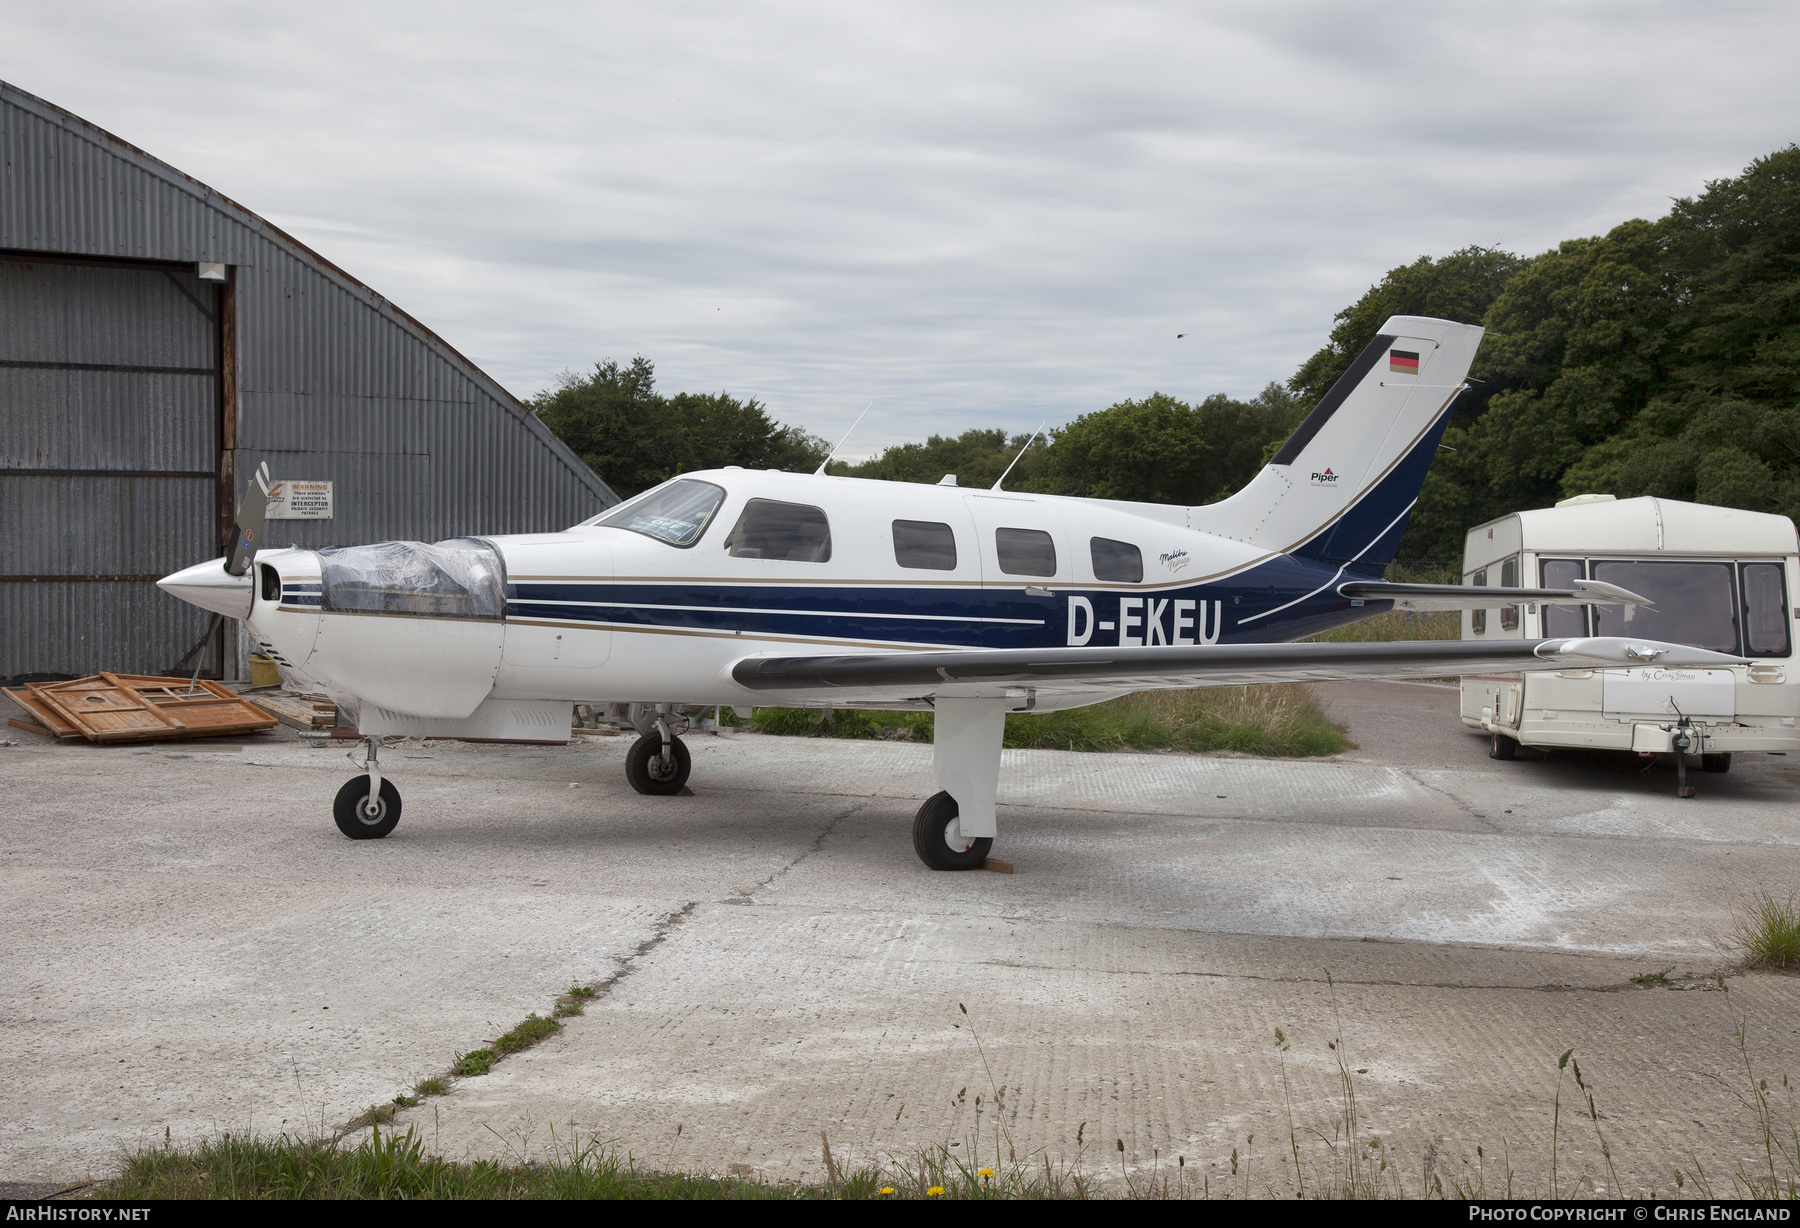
1343,486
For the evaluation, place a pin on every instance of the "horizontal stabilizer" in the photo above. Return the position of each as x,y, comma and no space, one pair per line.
1468,597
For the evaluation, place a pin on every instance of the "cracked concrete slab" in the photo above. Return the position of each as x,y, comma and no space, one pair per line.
193,947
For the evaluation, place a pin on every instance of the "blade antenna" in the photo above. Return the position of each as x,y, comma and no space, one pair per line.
846,439
1021,455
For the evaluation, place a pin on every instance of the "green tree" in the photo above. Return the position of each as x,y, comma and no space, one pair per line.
1150,450
634,438
977,457
1661,359
1460,287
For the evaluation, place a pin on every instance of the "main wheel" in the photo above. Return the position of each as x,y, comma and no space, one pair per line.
649,773
1504,747
938,838
1716,763
354,818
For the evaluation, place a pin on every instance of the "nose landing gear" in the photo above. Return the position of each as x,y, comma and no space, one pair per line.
367,807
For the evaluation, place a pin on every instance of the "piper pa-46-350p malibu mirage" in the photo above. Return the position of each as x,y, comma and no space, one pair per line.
734,587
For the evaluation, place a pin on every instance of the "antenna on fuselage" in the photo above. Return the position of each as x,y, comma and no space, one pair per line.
846,439
1021,455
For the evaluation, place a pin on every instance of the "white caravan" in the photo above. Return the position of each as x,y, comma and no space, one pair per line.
1714,577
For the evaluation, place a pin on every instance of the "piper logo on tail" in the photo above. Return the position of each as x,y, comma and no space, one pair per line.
1327,478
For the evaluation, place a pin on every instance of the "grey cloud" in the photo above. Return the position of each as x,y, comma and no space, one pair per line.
974,215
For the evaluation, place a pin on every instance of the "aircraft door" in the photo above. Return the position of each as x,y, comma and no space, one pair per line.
1027,561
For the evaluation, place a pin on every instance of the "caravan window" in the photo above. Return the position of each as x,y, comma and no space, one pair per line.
1692,603
1563,620
770,529
1478,618
1765,610
1509,578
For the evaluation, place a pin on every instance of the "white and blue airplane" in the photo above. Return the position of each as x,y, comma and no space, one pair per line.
739,587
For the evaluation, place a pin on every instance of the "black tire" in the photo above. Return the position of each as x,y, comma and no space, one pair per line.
1716,763
645,769
351,809
1504,748
930,837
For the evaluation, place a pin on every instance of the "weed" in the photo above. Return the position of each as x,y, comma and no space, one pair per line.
407,1102
580,992
1768,931
563,1010
432,1085
395,1164
1653,978
474,1062
525,1034
1283,720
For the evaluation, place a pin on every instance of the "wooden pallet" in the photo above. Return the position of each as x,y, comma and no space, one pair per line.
137,708
307,713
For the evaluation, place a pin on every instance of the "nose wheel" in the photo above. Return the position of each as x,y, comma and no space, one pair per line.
358,819
367,807
938,838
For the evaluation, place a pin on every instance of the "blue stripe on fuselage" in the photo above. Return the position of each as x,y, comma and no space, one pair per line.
1301,593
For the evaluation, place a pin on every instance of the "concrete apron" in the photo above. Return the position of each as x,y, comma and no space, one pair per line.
193,947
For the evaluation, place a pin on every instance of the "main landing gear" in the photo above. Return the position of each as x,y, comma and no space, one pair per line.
367,807
938,837
658,762
955,828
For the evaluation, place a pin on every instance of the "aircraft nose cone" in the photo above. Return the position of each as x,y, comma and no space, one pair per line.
209,586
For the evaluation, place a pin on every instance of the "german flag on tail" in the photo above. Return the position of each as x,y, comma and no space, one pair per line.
1403,362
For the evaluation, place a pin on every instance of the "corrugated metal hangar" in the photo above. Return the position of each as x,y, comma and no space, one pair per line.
158,342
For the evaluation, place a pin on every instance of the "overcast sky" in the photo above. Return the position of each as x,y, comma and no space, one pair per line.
971,215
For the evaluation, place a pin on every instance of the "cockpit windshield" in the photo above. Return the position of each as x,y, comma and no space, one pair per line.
463,577
676,512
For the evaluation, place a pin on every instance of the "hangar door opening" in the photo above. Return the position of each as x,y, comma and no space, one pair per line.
109,462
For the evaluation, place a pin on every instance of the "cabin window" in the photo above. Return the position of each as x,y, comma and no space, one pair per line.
925,545
1116,560
460,578
1509,578
1025,552
792,532
1692,603
1765,610
271,582
676,513
1478,618
1563,620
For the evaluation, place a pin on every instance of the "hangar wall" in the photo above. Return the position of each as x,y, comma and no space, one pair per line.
135,398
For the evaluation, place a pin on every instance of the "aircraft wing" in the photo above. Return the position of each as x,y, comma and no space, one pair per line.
1469,597
892,676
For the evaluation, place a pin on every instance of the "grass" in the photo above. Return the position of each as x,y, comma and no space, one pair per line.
1404,624
533,1028
1768,931
396,1165
1396,625
1653,978
474,1062
1282,721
